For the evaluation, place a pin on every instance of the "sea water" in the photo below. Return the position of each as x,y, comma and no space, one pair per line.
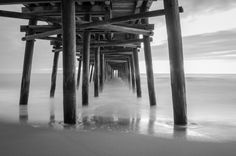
211,106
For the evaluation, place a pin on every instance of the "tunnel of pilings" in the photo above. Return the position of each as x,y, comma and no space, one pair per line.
105,37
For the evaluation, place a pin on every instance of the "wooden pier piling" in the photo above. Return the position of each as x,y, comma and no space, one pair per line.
91,73
96,72
128,73
54,74
149,70
86,60
79,73
176,61
137,73
69,57
25,82
101,72
132,72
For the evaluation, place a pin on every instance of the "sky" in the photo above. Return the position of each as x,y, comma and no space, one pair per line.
208,30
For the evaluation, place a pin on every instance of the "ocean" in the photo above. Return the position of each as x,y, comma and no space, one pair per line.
211,105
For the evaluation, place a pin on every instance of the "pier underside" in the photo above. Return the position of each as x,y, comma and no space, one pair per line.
104,36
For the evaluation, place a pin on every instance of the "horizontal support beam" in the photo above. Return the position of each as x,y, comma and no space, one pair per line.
126,43
125,18
104,24
10,2
42,35
18,15
38,28
123,29
130,30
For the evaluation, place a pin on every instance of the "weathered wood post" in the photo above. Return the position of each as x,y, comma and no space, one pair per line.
86,60
101,72
128,72
96,72
25,82
91,73
79,73
176,61
54,74
69,58
137,73
149,70
148,61
132,73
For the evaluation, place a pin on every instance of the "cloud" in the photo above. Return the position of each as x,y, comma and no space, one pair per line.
217,45
206,6
195,7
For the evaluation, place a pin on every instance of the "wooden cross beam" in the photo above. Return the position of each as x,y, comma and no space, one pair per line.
9,2
125,18
13,14
123,29
43,28
105,23
126,43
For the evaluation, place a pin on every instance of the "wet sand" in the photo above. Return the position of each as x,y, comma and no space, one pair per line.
27,141
118,123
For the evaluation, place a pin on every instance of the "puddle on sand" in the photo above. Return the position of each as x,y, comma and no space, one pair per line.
139,124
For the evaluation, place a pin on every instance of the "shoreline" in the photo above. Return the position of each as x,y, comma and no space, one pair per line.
26,140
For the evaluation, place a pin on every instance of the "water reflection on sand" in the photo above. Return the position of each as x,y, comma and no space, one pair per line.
117,109
137,123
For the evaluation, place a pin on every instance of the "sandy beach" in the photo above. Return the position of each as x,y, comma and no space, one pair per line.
118,123
27,141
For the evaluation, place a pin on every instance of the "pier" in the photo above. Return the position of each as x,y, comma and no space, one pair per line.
104,37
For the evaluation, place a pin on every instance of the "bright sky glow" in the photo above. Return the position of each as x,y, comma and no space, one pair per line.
195,67
208,29
199,24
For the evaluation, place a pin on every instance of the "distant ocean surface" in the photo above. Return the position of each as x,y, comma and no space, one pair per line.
211,103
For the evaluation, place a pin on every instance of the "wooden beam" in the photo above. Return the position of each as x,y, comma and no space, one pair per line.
54,74
96,74
38,28
176,62
10,2
106,27
126,43
86,59
79,73
149,71
117,43
69,56
91,73
103,23
132,72
42,35
101,71
125,29
25,82
125,18
137,73
18,15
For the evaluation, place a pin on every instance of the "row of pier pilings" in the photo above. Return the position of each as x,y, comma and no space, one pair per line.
104,65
